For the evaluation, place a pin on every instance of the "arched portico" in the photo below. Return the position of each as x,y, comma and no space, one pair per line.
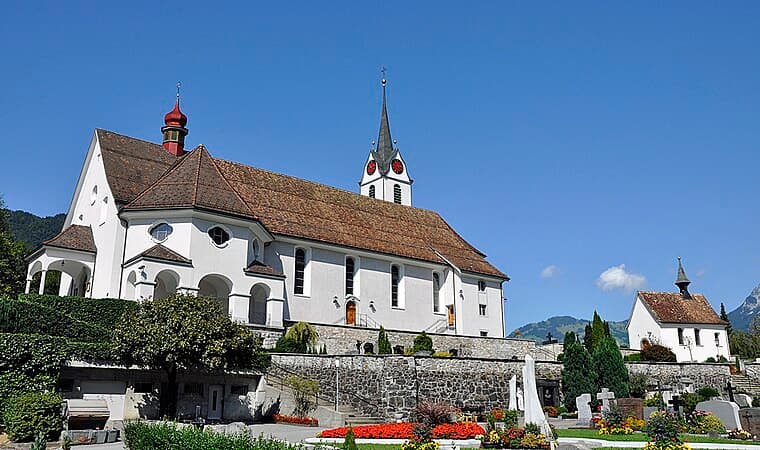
217,287
167,282
257,309
75,275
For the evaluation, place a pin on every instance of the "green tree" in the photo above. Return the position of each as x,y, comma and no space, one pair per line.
383,344
598,331
185,333
724,317
744,344
303,335
578,376
12,264
588,337
422,343
610,369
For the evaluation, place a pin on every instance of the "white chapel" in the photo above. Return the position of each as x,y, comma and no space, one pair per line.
147,220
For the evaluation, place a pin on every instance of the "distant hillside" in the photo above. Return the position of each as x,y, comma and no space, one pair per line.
742,316
560,325
33,229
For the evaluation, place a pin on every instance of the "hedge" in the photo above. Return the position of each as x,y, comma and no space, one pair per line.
163,436
27,415
104,312
18,316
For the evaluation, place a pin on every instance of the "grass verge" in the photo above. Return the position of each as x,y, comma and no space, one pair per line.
641,437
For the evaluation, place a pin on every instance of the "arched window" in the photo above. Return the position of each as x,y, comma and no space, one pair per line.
219,235
300,271
396,194
395,278
372,191
160,232
436,292
350,272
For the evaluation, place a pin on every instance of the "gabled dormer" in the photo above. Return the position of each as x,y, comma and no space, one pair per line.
385,175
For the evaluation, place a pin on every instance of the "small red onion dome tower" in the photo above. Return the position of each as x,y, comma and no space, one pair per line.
174,130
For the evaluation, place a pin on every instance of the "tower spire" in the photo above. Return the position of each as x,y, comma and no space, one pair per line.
384,151
174,130
682,281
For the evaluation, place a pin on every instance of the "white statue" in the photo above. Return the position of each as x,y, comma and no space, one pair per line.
534,412
513,393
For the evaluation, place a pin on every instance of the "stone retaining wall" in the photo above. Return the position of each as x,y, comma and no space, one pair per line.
341,340
384,385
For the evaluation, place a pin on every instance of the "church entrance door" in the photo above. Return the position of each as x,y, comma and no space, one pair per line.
450,315
350,313
215,398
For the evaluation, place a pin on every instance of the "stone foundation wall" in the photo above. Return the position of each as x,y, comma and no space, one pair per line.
700,374
341,340
269,336
384,385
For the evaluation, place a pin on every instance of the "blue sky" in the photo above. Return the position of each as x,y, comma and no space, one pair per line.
575,135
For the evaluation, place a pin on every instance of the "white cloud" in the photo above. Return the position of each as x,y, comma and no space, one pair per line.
550,271
616,277
701,272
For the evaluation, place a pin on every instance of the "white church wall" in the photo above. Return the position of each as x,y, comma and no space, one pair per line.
93,205
469,319
689,350
642,325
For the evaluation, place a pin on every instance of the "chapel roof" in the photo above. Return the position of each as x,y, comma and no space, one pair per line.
671,307
73,237
264,269
283,204
161,253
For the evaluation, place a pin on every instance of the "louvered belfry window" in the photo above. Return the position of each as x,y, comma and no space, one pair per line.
350,268
396,194
300,271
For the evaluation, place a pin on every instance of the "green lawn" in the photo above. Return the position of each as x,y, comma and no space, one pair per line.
641,437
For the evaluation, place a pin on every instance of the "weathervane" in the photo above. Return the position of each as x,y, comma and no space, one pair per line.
179,85
382,71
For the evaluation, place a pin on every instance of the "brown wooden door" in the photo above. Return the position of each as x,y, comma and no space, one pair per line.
350,313
450,315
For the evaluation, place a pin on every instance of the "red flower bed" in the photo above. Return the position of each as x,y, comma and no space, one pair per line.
461,430
281,418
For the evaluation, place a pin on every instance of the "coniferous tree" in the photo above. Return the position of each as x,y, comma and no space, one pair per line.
724,317
12,264
611,372
598,332
578,375
383,344
588,338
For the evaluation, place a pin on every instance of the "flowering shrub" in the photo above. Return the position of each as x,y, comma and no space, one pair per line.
551,411
532,440
514,438
462,430
739,434
501,415
282,418
434,413
418,445
662,431
703,422
615,422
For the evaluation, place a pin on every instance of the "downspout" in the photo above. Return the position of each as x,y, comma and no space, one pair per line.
123,252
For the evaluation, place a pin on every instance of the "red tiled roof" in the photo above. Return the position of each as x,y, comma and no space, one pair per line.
670,307
194,181
131,164
261,268
288,206
161,253
74,237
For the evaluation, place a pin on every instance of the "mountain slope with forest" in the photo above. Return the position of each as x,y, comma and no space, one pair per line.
559,325
32,229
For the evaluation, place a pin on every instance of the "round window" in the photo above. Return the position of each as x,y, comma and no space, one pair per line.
161,231
219,235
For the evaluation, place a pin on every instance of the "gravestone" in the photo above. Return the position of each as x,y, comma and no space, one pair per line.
750,420
632,407
727,412
605,396
743,400
584,409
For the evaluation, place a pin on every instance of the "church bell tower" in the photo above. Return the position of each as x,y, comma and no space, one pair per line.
385,176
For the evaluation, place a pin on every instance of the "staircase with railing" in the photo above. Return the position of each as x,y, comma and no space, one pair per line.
354,413
440,326
366,321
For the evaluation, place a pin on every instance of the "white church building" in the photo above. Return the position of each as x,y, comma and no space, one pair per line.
147,220
682,321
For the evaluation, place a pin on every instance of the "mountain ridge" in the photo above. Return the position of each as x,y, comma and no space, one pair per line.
559,325
742,316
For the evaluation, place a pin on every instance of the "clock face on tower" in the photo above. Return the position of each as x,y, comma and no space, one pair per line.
397,166
371,167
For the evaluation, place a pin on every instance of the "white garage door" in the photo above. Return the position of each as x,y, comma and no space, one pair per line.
111,391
